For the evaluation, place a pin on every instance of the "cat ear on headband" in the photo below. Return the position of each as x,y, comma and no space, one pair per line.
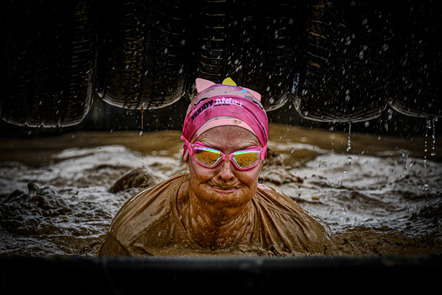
202,84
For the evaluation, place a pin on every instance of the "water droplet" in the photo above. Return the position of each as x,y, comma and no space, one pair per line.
276,34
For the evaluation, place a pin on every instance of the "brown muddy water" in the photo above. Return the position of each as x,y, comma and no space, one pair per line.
378,195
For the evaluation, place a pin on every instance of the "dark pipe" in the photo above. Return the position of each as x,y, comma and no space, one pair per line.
348,61
419,59
142,53
337,61
48,71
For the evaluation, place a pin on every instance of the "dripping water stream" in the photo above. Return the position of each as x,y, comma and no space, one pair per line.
430,126
349,159
142,121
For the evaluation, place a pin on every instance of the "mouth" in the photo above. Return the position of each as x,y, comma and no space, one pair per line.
224,189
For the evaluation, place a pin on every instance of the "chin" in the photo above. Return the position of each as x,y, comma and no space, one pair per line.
229,198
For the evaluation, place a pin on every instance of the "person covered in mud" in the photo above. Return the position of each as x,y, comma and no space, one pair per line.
218,207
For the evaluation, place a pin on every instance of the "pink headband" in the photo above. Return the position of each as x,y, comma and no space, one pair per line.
221,105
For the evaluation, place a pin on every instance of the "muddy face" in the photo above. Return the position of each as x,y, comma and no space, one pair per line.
224,186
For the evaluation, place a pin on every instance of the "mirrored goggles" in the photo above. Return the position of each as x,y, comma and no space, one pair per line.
210,158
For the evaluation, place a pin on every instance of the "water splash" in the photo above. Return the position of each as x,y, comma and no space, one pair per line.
73,207
403,159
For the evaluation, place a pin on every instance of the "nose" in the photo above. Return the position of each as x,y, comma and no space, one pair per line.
226,170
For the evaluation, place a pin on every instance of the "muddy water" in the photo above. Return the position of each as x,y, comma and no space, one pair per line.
379,195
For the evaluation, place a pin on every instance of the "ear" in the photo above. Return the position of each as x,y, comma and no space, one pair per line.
254,93
229,81
202,84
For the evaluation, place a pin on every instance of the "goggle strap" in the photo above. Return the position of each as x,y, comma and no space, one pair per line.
187,148
264,152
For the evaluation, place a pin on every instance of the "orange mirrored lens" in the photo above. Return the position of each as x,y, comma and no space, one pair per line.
245,159
207,156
